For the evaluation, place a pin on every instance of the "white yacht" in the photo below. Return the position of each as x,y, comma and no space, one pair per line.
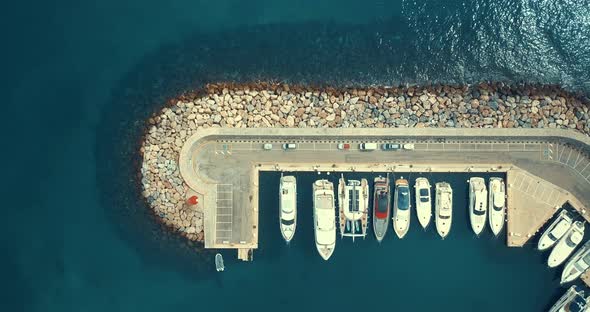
555,231
478,204
288,213
572,301
324,217
566,244
423,201
353,204
443,208
401,207
577,264
497,205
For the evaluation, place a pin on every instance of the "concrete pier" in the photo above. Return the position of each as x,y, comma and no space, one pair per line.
545,168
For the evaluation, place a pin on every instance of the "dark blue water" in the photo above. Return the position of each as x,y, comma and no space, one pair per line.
77,77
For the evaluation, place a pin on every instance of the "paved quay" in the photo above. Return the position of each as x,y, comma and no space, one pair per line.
545,168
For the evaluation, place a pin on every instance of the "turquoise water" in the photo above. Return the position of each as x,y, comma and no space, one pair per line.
76,77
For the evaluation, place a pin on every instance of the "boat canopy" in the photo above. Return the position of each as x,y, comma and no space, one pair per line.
382,203
559,229
574,239
403,198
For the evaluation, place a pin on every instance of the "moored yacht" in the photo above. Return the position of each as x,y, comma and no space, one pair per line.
497,205
353,203
381,207
401,207
572,301
324,218
478,203
423,201
555,231
288,213
577,264
443,208
566,244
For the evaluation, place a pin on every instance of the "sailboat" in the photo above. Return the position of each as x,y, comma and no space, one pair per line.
353,202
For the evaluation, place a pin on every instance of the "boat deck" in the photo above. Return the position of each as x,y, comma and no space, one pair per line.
586,278
545,168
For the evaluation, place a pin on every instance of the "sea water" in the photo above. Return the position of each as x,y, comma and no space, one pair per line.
420,272
78,76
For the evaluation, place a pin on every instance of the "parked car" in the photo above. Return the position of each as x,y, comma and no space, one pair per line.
288,146
409,146
368,146
343,146
390,146
267,146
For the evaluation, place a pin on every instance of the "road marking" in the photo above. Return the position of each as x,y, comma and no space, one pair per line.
568,156
577,158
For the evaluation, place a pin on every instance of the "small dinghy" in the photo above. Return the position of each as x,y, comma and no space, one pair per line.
219,262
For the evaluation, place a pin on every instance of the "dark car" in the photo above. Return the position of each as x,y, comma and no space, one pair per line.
390,146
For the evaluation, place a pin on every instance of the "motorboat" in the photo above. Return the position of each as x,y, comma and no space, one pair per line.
381,207
566,245
423,201
401,207
497,205
443,208
324,218
555,231
577,264
478,202
288,207
574,300
219,266
353,204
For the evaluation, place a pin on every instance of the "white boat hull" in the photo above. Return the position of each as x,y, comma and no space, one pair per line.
423,201
577,264
288,207
477,198
555,231
443,209
324,215
401,216
497,205
566,245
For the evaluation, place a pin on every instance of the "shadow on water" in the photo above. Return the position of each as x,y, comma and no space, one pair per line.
381,53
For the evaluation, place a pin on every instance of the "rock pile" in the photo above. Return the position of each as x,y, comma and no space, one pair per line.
264,105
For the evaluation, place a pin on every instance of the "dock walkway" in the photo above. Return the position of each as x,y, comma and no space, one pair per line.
545,169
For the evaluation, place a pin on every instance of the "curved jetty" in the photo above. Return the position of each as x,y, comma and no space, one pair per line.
197,178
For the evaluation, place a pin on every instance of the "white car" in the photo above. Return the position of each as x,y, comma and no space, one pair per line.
267,146
288,146
409,146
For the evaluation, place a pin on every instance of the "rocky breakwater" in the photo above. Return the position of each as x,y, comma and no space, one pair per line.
274,105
